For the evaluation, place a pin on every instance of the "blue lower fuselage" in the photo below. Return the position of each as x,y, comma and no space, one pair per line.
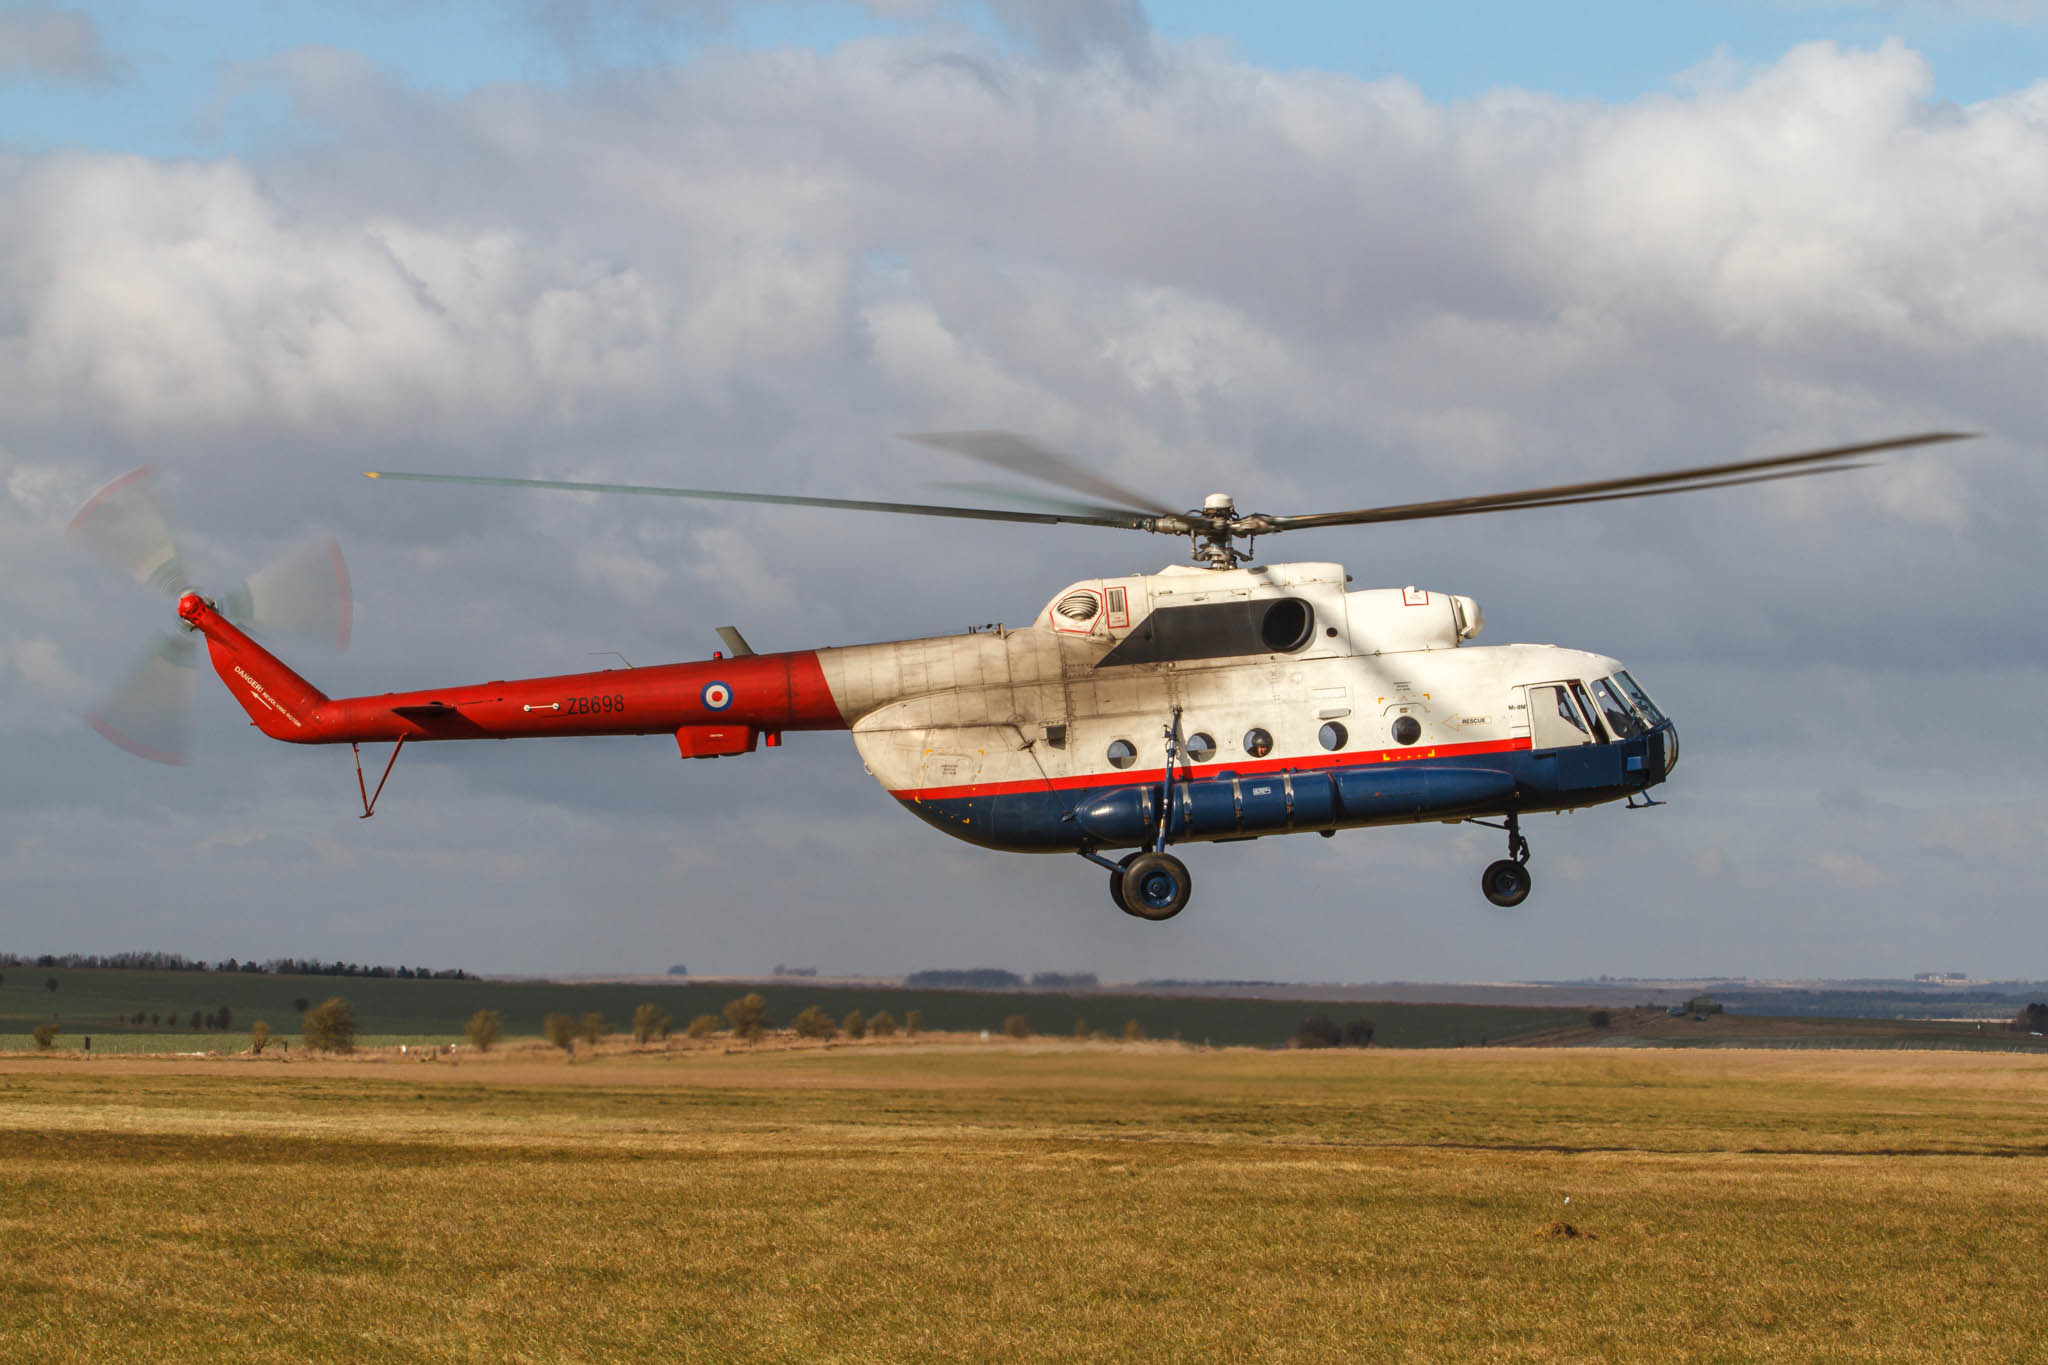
1112,811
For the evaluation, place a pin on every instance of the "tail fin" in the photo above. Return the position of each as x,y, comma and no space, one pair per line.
283,704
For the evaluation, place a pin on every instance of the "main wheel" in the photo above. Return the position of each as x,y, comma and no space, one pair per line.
1506,883
1155,886
1116,882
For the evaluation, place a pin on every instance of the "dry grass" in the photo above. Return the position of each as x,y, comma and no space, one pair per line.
1023,1203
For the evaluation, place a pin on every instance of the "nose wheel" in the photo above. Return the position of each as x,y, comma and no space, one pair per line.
1506,883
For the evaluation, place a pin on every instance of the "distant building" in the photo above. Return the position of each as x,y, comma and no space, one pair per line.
1942,978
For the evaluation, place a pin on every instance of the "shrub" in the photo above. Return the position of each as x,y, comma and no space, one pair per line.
913,1023
1358,1033
747,1015
483,1029
883,1025
1134,1032
50,984
593,1028
330,1026
649,1023
854,1025
1318,1030
301,1005
1081,1029
560,1030
259,1037
2032,1019
46,1036
813,1023
1601,1018
198,1019
1017,1026
703,1026
225,1017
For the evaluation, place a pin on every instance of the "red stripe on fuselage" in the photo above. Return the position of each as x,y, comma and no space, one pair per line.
1138,777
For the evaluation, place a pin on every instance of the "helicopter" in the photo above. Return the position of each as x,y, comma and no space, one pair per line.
1214,701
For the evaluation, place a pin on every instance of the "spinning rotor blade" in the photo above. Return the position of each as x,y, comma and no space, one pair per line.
125,523
150,713
1040,500
1101,516
1829,461
305,592
1021,455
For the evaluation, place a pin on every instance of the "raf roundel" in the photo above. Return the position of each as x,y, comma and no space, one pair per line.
717,696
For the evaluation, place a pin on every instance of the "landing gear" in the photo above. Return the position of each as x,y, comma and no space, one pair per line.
1151,883
1152,886
1506,883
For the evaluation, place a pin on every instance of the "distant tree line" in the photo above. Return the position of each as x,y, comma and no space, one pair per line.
1320,1030
2031,1019
276,966
970,979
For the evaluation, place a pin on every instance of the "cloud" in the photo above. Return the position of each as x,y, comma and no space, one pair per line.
51,46
1310,291
1066,32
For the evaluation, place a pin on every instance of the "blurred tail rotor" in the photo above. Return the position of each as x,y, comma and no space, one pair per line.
304,592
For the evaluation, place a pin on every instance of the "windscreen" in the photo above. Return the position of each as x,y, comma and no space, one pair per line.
1644,705
1621,718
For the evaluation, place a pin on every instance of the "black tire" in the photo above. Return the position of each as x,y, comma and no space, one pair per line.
1155,886
1506,883
1116,883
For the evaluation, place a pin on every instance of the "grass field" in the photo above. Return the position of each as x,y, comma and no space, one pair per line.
1025,1202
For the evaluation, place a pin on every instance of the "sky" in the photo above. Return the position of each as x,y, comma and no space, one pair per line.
1332,256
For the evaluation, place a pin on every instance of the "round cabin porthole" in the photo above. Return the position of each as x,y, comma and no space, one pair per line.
1122,753
1407,730
1201,747
1257,743
1287,625
1334,736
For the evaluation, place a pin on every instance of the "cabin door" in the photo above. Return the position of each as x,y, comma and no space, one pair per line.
1561,731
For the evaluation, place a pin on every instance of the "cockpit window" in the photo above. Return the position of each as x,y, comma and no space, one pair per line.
1566,712
1586,709
1641,698
1615,707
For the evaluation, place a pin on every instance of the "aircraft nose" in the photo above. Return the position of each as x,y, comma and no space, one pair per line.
1670,748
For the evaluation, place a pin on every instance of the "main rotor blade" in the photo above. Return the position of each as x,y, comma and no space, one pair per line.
1022,455
1042,501
1647,492
126,523
1671,481
1129,521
